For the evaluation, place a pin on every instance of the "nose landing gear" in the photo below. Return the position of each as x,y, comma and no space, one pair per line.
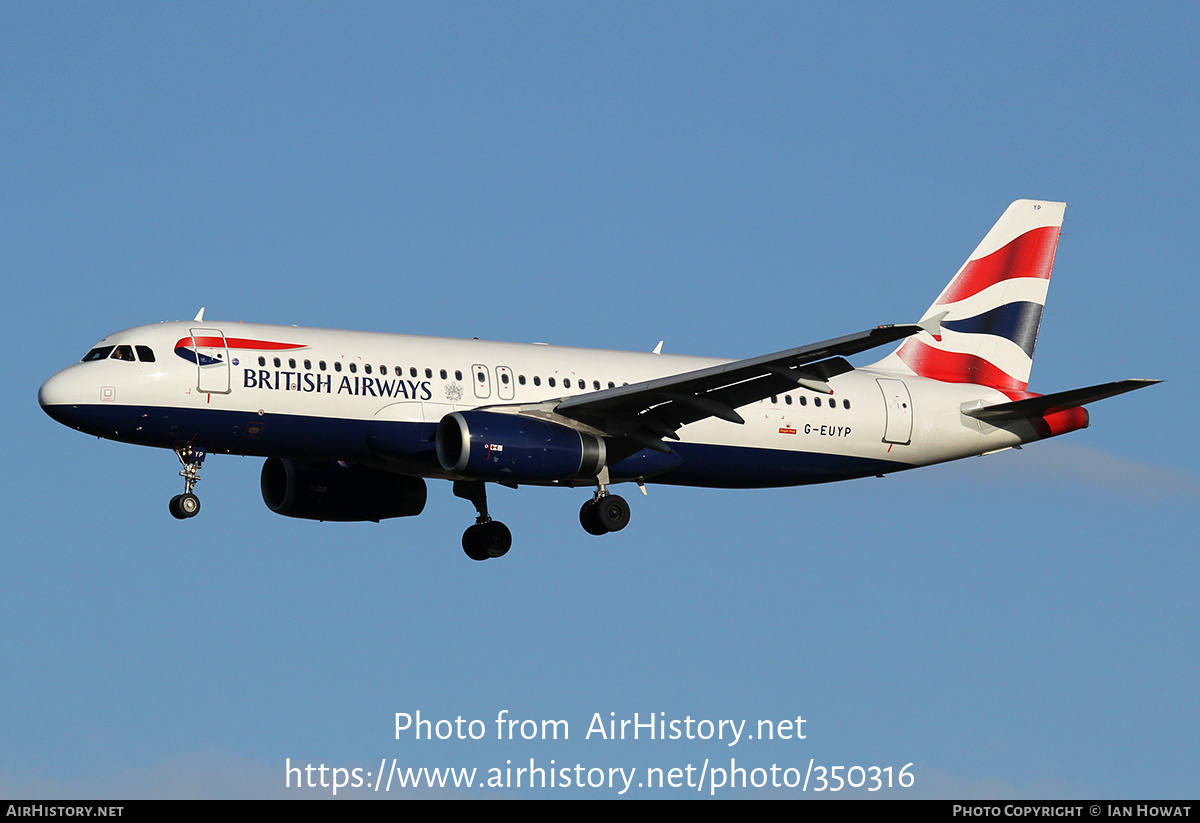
183,506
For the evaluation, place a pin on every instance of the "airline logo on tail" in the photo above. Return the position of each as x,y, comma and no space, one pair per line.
993,307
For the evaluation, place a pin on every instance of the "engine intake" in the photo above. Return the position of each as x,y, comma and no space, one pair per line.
493,446
318,490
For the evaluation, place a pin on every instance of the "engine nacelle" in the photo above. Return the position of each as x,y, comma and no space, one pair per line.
509,447
320,490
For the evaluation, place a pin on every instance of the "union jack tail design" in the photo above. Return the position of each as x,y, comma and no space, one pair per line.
991,310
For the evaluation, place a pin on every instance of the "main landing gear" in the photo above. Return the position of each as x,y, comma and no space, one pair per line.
488,538
187,505
604,513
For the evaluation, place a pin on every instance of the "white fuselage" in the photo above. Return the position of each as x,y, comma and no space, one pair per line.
287,391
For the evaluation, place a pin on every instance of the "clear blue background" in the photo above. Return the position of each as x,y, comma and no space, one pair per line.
734,179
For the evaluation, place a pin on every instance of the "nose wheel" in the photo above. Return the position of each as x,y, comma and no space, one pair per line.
183,506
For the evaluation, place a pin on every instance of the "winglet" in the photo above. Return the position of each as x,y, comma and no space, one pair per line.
199,318
658,348
933,325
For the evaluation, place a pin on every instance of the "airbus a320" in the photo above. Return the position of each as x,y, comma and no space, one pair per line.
353,424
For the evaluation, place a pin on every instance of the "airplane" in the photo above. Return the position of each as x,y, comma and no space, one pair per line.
352,424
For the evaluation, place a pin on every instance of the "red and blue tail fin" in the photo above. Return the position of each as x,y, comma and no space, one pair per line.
990,312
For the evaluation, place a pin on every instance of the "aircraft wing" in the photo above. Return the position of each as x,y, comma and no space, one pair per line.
646,412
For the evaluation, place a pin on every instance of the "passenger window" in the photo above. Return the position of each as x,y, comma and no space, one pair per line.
803,400
99,353
123,353
787,398
399,372
145,354
457,374
504,378
611,385
845,404
308,365
412,372
550,382
292,363
428,373
443,374
321,365
367,368
354,368
537,381
337,365
277,362
521,379
816,401
596,385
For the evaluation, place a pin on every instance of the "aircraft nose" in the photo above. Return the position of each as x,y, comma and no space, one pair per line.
58,393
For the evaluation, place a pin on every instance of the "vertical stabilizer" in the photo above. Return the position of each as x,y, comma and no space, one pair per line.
993,307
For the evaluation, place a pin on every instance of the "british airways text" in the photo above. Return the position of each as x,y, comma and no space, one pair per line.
349,384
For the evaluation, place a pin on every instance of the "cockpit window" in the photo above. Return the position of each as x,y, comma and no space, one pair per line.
145,354
123,353
98,353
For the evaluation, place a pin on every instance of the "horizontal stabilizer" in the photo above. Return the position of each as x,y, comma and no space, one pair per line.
1050,403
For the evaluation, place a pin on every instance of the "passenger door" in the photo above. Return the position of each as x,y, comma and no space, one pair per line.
898,408
212,360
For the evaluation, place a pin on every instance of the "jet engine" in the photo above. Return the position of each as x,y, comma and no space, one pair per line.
509,447
321,490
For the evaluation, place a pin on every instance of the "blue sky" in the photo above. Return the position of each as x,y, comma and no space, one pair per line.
734,179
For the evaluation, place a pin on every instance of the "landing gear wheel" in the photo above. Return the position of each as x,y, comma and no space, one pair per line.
497,539
484,541
611,512
189,504
488,538
472,543
183,506
589,519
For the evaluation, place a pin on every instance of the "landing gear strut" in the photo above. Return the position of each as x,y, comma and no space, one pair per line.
488,538
187,505
605,512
